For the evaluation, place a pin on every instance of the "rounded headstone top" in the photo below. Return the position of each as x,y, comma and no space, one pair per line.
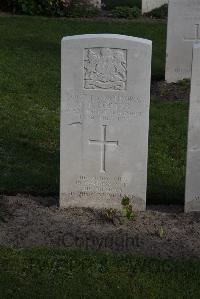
107,36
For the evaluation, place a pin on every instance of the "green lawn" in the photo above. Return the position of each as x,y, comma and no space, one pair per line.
73,275
29,163
30,107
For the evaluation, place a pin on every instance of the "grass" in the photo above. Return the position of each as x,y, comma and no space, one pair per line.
167,152
29,163
30,107
43,273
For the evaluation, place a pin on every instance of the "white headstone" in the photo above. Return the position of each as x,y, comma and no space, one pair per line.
183,31
149,5
104,120
192,192
95,3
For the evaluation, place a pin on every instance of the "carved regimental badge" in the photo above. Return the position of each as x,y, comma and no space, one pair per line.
105,68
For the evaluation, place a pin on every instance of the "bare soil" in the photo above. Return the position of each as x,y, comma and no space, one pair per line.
163,91
161,231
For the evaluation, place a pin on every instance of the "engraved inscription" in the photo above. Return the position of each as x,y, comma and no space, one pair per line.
103,143
105,68
182,72
103,108
102,184
116,107
197,198
195,39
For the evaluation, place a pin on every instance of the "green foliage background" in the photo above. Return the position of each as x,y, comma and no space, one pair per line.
61,8
110,4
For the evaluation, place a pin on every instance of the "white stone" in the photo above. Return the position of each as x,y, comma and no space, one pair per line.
96,3
192,191
104,120
183,31
149,5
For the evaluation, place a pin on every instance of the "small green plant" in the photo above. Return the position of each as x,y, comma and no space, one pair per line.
126,12
125,201
184,83
127,208
162,233
109,214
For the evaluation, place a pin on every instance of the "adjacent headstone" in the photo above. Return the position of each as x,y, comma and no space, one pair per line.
183,31
192,192
149,5
96,3
104,120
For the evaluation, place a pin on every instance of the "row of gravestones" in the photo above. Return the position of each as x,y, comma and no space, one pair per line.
105,113
147,5
183,62
183,30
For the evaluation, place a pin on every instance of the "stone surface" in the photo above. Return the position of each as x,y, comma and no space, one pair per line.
192,192
96,3
183,32
149,5
104,120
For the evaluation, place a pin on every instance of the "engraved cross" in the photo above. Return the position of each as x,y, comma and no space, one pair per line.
197,35
103,143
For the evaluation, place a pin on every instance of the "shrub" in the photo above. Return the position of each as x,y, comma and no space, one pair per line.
36,7
159,13
7,5
82,8
111,4
72,8
43,7
126,12
83,13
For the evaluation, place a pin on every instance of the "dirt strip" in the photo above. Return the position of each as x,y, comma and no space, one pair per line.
161,231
